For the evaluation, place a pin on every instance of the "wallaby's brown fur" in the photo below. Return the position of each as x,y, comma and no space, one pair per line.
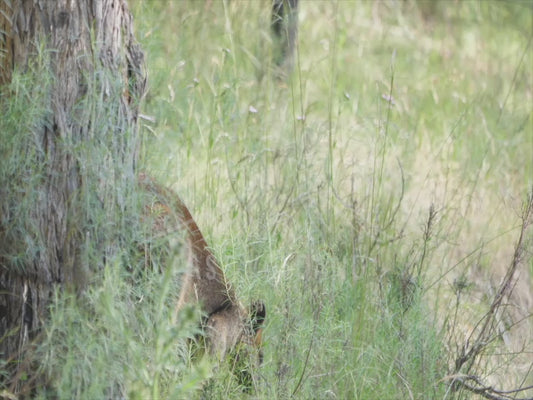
228,324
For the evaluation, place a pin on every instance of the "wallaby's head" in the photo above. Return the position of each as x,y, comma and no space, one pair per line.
235,333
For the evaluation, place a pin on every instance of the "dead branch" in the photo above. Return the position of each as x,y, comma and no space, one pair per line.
472,349
473,384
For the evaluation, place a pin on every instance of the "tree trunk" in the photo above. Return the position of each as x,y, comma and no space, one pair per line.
68,167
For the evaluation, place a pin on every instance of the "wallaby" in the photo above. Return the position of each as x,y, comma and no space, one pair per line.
227,323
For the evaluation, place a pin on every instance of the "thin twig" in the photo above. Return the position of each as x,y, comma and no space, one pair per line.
514,77
485,391
469,353
300,380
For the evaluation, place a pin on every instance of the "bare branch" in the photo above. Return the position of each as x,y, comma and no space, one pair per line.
488,323
473,384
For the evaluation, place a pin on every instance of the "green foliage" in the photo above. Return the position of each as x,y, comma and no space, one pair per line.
365,200
349,196
23,106
111,328
119,339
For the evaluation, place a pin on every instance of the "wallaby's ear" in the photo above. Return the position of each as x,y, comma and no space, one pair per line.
257,315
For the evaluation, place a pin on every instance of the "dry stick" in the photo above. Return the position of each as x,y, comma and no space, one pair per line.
481,341
514,78
311,342
487,392
299,384
466,257
392,218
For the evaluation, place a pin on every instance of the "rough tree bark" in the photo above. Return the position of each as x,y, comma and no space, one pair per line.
285,28
86,149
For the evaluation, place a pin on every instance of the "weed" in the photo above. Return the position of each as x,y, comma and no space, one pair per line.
370,199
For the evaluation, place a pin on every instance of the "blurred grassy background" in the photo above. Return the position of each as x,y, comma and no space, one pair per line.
368,197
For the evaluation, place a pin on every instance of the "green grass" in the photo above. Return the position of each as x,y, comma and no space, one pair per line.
22,160
375,231
315,192
118,341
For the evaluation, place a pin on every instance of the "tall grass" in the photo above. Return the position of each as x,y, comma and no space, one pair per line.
23,159
357,196
372,201
110,330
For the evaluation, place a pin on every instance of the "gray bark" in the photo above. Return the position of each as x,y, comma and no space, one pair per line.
285,28
84,153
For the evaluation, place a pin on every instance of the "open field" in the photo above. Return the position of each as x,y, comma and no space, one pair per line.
372,200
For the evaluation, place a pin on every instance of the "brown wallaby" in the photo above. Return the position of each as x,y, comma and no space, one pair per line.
228,326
